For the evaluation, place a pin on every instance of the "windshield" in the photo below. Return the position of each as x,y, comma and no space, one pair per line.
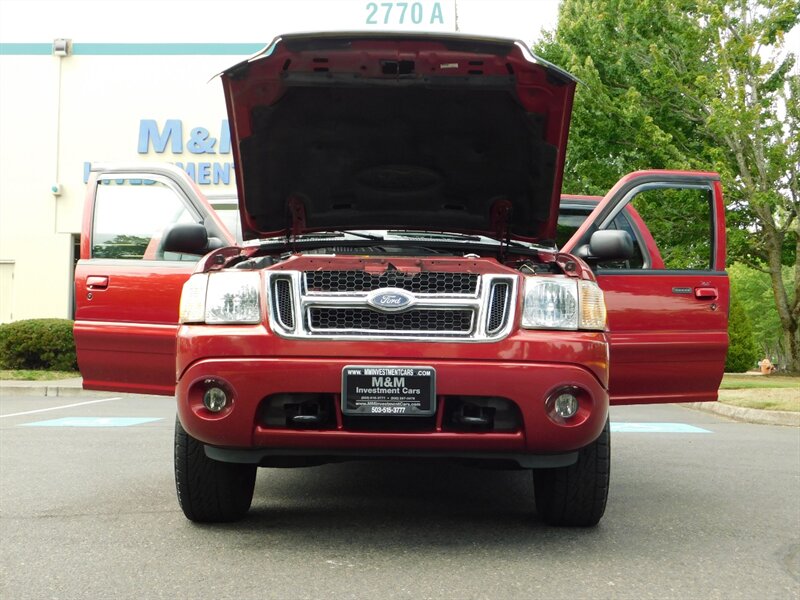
229,215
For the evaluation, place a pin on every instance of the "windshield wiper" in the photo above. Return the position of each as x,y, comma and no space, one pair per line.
448,235
318,237
433,235
361,234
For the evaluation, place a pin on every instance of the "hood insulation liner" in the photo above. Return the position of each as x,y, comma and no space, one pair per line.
398,156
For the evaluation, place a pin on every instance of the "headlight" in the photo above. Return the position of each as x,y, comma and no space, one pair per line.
224,297
562,303
550,303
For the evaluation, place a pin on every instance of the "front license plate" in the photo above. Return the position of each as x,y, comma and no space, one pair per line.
389,391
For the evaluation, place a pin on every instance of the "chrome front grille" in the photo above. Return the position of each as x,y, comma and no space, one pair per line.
441,305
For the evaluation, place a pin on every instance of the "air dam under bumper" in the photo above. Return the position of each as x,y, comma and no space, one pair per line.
250,380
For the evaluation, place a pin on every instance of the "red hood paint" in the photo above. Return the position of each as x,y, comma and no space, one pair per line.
398,131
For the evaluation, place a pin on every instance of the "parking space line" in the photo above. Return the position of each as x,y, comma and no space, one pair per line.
92,422
40,410
626,427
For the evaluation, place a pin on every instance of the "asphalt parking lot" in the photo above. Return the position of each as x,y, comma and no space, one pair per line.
700,507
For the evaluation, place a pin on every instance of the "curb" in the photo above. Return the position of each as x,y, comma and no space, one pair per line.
53,388
43,390
748,415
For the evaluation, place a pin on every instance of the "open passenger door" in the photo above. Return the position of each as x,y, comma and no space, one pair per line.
668,303
127,287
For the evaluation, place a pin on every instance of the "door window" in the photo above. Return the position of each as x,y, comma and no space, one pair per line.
672,227
570,218
680,221
131,218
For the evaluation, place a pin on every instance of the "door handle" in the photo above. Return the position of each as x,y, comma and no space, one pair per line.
705,293
97,282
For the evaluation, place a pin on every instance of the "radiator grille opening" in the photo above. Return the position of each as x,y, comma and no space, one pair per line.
498,308
429,321
282,297
419,283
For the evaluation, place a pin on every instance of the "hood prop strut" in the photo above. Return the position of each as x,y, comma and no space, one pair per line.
297,211
501,219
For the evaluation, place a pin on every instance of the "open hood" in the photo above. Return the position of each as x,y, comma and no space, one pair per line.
398,131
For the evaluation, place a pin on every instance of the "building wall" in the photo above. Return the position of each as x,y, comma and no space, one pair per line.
133,71
67,113
28,212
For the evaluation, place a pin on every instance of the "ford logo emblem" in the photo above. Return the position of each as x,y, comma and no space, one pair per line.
390,299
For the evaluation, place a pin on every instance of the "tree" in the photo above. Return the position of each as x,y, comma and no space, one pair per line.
753,288
754,116
121,246
742,349
694,84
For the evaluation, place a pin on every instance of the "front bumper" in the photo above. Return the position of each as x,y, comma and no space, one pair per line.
527,384
292,457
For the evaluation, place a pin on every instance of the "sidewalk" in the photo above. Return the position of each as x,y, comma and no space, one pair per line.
73,387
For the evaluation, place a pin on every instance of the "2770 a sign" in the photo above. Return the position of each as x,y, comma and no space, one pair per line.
404,13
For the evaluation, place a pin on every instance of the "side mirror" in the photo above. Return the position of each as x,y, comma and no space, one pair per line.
611,244
608,244
189,238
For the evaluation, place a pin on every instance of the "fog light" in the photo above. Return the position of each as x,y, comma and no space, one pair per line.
565,405
215,399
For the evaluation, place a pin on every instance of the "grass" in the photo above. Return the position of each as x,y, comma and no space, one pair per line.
765,399
765,392
34,375
749,382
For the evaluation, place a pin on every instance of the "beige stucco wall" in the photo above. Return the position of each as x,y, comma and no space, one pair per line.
55,122
28,231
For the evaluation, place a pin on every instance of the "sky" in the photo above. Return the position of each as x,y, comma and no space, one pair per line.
259,21
153,21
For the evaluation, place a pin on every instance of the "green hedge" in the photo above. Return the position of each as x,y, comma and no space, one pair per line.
38,344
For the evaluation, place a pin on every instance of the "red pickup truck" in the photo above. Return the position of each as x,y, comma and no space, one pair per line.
408,286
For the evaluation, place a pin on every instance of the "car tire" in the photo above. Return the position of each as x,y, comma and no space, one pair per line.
210,491
576,495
